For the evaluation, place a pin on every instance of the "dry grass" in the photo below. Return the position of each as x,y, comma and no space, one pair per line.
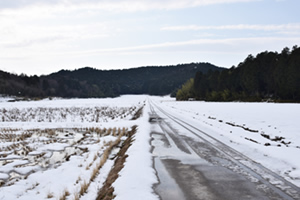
95,173
21,144
76,196
108,132
106,192
43,114
95,157
50,195
138,113
103,131
110,145
83,188
114,131
66,192
64,195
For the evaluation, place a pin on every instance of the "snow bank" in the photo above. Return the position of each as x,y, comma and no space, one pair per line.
138,176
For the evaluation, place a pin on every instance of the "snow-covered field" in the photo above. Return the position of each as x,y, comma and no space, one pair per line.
268,133
55,149
51,149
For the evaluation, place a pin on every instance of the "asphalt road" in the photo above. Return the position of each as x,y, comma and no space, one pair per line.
197,166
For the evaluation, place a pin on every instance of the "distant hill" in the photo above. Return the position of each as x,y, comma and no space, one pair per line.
90,82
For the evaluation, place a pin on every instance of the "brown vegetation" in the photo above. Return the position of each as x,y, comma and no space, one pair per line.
138,113
106,192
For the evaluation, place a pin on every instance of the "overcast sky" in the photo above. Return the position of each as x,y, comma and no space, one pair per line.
41,37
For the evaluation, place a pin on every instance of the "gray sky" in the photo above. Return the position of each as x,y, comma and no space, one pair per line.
41,37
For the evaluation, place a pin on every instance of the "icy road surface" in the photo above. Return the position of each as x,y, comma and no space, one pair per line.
191,164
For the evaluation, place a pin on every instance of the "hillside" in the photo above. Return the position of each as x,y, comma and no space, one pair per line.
89,82
266,76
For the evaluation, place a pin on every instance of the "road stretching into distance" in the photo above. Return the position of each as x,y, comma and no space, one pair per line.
194,165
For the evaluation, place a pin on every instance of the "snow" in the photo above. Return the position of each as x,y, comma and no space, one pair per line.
44,172
138,176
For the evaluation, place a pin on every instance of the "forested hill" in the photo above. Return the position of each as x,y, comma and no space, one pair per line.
268,76
89,82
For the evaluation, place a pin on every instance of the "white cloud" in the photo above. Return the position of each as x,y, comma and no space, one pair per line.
38,26
229,45
281,27
138,5
27,22
223,52
232,45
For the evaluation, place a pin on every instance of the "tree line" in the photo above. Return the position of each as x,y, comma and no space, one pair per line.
89,82
268,76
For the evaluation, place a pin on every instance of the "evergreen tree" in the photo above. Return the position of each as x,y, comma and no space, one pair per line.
269,75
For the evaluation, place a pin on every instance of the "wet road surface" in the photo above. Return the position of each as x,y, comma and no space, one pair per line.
196,166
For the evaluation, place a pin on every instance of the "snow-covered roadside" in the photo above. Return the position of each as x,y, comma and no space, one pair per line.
250,128
138,176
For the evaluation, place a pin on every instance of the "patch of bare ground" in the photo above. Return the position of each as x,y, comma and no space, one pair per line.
107,191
